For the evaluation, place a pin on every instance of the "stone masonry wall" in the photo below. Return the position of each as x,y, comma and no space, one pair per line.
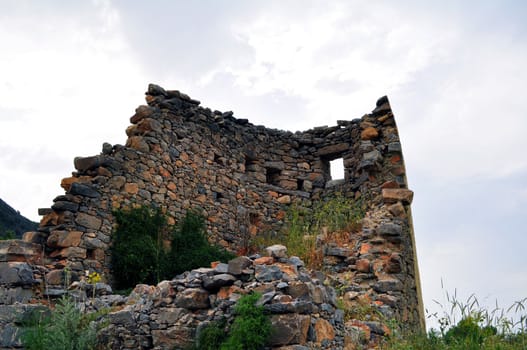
180,156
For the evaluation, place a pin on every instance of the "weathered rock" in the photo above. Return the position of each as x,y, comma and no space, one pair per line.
84,190
193,298
390,229
388,285
237,265
64,239
289,329
217,281
16,274
369,133
267,273
277,251
393,195
88,221
324,331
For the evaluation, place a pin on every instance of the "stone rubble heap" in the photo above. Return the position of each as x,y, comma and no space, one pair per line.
302,308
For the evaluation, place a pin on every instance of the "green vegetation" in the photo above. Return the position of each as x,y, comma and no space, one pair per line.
190,247
211,336
477,329
139,252
250,329
66,328
8,234
303,225
138,255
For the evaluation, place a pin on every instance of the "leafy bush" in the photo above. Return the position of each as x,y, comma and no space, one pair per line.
190,247
251,327
138,255
67,328
211,336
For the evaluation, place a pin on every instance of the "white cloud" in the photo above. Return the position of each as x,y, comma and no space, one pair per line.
76,86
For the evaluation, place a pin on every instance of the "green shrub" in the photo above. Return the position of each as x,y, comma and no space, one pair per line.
138,255
251,327
67,328
211,336
190,247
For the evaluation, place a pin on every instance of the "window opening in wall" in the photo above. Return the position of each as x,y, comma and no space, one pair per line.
219,160
217,196
90,254
272,176
299,184
336,169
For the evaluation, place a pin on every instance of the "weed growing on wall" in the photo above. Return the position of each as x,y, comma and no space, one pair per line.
251,327
304,225
66,328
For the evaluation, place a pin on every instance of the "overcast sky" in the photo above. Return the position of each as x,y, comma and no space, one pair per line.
72,73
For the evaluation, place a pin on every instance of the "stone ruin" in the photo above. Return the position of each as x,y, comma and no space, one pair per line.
244,177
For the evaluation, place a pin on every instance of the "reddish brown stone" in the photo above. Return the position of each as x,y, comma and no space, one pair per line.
66,182
395,159
284,199
397,209
64,239
264,260
393,195
390,184
324,331
363,265
369,133
51,219
365,248
140,113
131,188
138,143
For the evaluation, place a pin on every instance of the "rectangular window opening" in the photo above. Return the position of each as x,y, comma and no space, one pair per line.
272,176
299,184
336,169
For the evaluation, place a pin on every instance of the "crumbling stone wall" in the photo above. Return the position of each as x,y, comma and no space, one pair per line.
179,156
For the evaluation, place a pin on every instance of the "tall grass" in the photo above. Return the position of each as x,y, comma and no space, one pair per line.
304,226
466,325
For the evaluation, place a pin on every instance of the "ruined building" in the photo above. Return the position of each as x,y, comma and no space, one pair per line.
180,155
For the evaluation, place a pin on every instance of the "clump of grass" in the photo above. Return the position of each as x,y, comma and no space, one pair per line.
305,226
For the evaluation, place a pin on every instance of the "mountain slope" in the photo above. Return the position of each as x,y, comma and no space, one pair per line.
11,220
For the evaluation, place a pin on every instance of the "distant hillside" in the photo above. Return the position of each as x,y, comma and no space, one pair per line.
12,221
